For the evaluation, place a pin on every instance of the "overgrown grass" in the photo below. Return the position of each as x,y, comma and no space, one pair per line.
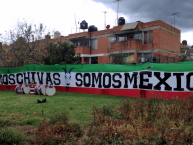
19,109
11,136
73,118
145,121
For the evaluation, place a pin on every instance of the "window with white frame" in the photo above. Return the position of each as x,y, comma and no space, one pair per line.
93,43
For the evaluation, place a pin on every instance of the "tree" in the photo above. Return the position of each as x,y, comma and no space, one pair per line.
2,55
186,55
61,53
27,45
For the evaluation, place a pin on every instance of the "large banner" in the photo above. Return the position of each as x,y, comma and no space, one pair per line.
143,80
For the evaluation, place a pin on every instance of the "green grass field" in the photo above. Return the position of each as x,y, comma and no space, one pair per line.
132,120
19,109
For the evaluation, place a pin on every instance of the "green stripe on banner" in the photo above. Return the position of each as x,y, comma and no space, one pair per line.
163,67
4,70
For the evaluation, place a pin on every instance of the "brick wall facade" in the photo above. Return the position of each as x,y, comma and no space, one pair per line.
126,45
102,44
82,50
103,59
165,38
169,41
158,23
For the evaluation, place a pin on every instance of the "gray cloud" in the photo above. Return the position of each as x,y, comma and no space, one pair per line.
151,10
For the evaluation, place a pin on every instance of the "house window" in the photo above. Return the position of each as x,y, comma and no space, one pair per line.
112,39
81,42
137,36
129,36
94,60
128,58
121,38
145,57
148,37
93,44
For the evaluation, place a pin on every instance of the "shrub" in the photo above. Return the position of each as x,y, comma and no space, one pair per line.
11,136
58,117
57,133
108,110
77,129
145,121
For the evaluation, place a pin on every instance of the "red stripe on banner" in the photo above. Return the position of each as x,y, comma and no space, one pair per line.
128,92
118,92
7,87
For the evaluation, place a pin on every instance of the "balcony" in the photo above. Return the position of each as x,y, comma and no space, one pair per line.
126,45
82,44
82,50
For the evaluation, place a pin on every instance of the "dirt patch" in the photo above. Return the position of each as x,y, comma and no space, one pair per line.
14,114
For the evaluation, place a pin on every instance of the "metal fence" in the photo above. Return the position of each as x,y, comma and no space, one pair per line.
160,59
167,59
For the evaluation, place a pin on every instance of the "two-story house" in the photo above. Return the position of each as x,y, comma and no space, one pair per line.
154,41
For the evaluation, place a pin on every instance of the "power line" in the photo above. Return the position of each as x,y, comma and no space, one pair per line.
117,7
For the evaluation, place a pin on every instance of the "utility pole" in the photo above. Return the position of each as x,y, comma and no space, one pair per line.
175,14
117,7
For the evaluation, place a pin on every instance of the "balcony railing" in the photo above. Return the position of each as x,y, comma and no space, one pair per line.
126,45
82,50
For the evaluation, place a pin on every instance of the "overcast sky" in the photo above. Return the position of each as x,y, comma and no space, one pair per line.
59,15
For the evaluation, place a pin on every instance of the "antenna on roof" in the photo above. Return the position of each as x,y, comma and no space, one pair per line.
177,14
117,7
75,22
105,18
79,23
